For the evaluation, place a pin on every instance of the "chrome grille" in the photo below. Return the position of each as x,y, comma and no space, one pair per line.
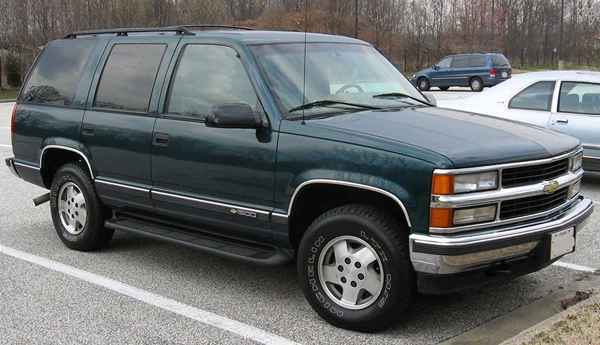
525,175
534,204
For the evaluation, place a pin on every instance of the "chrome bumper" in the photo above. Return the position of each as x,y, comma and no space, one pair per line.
437,254
10,163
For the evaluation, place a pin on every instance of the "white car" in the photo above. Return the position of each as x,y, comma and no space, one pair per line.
565,101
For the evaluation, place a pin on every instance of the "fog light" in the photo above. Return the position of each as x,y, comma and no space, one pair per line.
474,215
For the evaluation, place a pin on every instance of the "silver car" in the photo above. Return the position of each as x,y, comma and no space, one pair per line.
565,101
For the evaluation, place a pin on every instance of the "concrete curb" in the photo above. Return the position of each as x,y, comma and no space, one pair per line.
527,318
545,325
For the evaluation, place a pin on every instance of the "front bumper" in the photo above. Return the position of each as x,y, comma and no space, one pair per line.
452,254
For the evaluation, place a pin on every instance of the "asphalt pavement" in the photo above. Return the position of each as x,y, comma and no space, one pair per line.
142,291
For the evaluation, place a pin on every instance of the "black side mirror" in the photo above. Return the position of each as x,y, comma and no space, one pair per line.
435,67
234,115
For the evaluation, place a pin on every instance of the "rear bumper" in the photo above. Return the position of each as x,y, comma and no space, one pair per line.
447,255
10,163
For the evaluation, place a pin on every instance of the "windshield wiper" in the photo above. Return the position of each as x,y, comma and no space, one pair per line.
400,95
330,103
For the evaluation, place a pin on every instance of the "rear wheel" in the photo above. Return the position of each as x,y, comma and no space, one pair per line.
423,84
77,213
476,84
355,270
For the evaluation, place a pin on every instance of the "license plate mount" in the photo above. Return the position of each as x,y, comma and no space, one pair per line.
562,242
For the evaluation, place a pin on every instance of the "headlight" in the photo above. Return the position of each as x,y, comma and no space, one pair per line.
466,183
574,189
577,161
474,215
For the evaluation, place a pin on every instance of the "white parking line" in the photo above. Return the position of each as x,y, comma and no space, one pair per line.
574,267
206,317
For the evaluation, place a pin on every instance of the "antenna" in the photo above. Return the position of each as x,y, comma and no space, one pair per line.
305,54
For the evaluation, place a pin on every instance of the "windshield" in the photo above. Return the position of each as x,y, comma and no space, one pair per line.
350,73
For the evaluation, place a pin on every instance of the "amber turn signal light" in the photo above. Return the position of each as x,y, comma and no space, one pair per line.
440,217
442,185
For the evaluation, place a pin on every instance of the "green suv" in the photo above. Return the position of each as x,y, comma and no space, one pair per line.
272,147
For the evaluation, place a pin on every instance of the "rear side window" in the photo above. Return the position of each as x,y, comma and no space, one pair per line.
477,61
460,61
128,77
55,78
208,76
582,98
536,97
500,60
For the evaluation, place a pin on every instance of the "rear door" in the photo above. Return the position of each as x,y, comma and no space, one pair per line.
118,124
533,104
578,114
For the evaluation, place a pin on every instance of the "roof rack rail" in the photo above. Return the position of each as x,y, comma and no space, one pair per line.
213,26
180,30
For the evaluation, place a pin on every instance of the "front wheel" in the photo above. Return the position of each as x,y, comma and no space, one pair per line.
355,270
77,213
423,84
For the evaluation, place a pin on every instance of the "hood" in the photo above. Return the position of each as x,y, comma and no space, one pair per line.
466,139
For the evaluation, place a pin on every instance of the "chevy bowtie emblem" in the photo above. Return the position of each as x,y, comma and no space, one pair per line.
551,186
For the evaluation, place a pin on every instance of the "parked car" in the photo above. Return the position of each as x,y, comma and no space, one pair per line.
229,141
473,70
564,101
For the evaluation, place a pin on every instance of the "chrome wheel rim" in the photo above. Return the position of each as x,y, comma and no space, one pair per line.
350,272
476,84
72,208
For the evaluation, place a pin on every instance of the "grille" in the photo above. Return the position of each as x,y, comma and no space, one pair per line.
534,204
533,174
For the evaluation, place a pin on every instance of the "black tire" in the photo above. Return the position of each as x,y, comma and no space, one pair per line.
476,84
388,238
423,84
93,235
444,88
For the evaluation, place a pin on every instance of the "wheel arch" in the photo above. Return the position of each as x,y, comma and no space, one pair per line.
361,193
68,153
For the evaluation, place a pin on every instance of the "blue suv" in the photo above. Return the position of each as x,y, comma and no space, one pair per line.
474,70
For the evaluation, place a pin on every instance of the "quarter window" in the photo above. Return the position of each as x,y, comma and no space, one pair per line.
128,77
477,61
56,76
536,97
208,76
582,98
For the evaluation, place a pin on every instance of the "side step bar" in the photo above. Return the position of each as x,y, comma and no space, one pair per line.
225,247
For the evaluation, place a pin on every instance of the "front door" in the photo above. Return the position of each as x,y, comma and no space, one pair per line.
219,176
117,127
578,114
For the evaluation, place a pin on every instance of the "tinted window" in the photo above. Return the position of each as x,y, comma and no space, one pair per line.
460,61
477,61
57,73
128,77
445,63
581,98
208,76
500,60
536,97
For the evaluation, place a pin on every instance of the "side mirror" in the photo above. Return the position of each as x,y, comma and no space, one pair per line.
431,99
435,67
233,115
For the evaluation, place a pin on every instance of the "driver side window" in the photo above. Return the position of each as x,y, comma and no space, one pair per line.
445,63
207,76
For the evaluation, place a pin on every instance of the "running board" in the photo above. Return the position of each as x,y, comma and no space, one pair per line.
225,247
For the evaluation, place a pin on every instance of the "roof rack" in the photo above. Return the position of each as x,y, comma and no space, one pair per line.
180,30
213,26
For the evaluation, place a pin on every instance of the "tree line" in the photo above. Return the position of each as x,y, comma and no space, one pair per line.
411,33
